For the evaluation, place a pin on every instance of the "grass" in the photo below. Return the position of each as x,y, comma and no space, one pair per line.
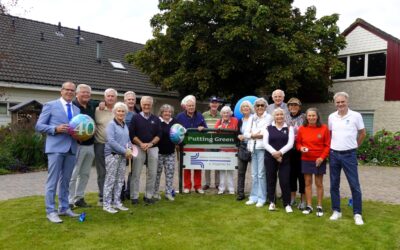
196,222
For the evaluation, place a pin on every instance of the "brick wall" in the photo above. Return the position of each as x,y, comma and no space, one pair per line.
367,96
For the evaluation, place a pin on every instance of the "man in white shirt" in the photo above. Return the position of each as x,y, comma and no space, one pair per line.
348,132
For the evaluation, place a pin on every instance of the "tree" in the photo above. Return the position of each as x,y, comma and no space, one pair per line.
5,7
234,48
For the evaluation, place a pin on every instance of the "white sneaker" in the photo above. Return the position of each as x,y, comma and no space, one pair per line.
250,202
336,215
259,204
110,210
319,212
308,210
169,197
53,217
220,192
288,209
121,207
231,192
186,190
157,196
272,207
358,219
200,191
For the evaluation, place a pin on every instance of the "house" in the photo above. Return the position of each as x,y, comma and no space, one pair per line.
36,58
372,76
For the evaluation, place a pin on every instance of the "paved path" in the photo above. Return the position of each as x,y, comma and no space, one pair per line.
378,183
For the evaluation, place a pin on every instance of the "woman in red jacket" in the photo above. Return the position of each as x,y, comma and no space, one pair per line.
313,140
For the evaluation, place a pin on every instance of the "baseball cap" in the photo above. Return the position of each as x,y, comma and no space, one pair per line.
214,99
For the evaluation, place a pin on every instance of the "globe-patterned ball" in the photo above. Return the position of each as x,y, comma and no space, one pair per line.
177,133
81,127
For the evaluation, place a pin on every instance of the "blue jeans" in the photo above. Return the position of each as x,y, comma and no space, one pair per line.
348,161
259,183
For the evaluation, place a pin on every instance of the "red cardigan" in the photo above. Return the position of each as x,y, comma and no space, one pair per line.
233,124
316,139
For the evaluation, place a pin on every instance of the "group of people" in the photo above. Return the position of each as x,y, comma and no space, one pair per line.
124,136
293,147
283,142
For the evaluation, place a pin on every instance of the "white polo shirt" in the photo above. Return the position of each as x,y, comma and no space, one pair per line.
345,130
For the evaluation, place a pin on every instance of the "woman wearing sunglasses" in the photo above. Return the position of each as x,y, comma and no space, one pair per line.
254,133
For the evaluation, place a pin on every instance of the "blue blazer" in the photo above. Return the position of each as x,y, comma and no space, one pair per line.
53,114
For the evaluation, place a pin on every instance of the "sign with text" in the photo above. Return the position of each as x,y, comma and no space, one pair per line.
210,150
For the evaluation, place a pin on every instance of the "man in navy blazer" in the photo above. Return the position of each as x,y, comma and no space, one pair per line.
60,149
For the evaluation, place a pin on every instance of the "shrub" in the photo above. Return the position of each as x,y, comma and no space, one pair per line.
21,150
382,149
28,149
6,160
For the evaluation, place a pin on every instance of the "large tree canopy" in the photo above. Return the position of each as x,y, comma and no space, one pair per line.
234,48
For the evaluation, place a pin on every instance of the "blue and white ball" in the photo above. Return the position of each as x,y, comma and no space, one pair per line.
81,127
177,133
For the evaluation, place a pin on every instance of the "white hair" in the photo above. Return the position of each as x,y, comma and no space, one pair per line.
276,91
120,105
277,110
146,97
226,109
261,100
166,107
110,90
248,103
188,98
128,93
344,94
83,86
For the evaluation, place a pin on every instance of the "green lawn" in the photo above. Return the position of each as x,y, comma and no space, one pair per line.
196,222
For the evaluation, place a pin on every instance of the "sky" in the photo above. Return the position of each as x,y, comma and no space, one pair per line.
130,19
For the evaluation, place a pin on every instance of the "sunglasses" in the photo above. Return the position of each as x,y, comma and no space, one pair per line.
260,105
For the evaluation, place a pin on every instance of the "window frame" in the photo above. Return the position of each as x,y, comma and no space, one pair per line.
366,58
8,105
115,64
368,112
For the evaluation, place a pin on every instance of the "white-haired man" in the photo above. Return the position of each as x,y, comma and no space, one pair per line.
348,132
85,154
103,117
278,96
191,118
145,132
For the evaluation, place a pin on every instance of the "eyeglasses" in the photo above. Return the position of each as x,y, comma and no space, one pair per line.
260,105
69,90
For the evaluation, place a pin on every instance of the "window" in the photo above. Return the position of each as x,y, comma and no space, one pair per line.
344,73
357,65
3,108
117,65
368,119
362,66
377,64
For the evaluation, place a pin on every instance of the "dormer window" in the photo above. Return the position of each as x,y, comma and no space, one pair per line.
117,65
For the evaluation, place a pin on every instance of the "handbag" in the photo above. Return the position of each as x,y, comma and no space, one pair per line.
243,153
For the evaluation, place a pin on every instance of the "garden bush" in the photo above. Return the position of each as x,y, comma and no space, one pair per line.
21,150
382,149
